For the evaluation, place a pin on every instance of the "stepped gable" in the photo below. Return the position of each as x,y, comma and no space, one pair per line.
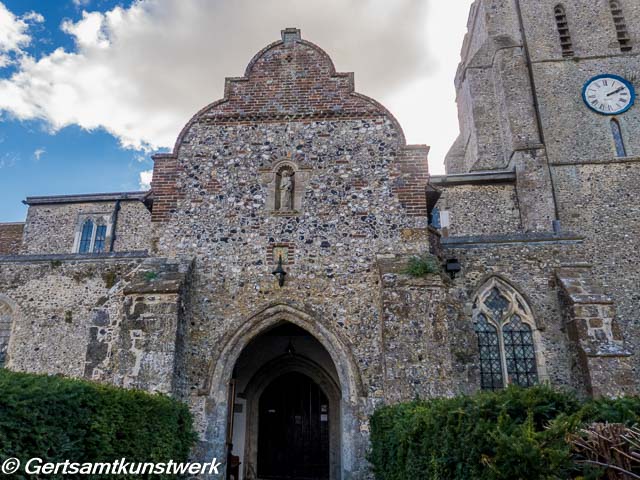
288,80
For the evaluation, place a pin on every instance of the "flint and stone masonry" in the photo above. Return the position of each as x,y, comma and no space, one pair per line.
181,289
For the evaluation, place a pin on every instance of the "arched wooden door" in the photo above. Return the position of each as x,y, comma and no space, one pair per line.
293,430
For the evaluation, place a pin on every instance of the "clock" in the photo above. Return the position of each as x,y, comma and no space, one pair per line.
608,94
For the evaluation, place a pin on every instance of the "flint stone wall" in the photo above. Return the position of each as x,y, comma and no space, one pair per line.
54,303
51,229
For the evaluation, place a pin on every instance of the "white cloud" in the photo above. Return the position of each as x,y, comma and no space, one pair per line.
14,34
81,3
145,179
38,152
8,160
141,72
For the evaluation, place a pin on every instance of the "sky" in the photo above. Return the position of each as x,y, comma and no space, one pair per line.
90,89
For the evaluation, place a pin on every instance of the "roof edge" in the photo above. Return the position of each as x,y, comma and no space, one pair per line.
474,178
86,198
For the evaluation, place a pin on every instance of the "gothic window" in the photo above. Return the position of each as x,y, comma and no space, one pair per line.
87,235
621,26
621,151
101,234
505,329
6,314
563,30
91,237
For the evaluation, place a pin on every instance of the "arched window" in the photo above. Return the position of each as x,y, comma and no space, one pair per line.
505,328
86,236
101,235
6,318
563,30
621,26
92,234
621,151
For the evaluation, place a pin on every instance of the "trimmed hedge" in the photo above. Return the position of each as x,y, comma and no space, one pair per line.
510,434
60,419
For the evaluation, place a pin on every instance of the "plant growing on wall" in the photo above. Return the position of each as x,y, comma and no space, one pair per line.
420,266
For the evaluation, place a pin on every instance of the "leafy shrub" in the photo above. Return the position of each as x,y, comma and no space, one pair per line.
60,419
422,265
510,434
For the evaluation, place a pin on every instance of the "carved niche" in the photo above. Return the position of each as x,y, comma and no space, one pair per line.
285,181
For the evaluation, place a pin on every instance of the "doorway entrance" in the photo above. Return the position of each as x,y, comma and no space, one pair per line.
293,431
286,416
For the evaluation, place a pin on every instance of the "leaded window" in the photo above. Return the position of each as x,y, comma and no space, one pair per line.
505,330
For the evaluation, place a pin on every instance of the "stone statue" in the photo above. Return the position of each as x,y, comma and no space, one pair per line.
286,190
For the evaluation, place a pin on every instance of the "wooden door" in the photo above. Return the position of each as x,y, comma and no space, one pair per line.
293,430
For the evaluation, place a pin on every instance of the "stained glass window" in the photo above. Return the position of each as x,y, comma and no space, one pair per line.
503,325
497,303
617,138
85,238
101,233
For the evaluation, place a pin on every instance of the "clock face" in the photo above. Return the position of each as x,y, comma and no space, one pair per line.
608,94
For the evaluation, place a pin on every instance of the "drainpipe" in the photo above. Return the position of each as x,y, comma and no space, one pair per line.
114,224
536,106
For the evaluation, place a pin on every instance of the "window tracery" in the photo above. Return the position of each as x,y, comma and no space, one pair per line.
505,329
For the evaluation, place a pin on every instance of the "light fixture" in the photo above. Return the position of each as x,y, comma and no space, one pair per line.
452,267
290,350
279,272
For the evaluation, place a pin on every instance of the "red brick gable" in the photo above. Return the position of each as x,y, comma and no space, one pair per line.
291,80
288,80
11,238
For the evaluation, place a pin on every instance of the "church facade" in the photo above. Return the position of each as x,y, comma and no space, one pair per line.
263,279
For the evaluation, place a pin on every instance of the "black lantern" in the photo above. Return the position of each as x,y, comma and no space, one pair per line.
279,272
452,267
290,350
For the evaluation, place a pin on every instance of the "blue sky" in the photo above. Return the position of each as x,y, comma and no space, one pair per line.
89,89
36,161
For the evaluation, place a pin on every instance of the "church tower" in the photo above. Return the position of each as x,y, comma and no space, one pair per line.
549,152
526,105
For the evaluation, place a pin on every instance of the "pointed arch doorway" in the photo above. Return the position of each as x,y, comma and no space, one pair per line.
286,410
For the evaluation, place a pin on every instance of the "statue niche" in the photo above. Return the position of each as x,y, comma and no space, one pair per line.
285,190
285,182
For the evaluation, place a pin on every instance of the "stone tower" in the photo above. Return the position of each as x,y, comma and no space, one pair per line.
537,152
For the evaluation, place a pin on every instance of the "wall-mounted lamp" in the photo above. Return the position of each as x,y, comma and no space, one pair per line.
279,272
452,267
290,350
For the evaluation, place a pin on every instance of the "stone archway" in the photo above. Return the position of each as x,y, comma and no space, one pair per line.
352,443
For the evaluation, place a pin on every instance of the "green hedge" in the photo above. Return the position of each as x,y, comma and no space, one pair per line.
60,419
510,434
